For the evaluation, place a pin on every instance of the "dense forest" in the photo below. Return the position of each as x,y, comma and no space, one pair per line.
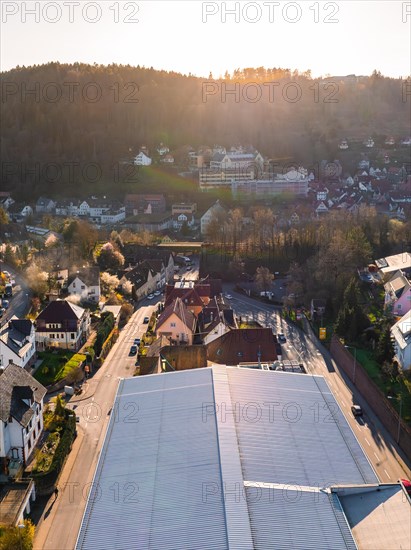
76,114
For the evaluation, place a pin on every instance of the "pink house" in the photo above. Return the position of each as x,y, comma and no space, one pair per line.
177,323
398,294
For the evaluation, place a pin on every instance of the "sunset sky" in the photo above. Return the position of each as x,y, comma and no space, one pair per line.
192,36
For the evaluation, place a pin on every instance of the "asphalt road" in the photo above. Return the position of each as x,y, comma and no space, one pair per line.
20,301
388,461
58,530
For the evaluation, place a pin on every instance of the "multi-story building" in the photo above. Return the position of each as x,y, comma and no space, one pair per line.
17,343
62,324
21,413
294,182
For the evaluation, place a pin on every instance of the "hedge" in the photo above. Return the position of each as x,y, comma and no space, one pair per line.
46,481
106,326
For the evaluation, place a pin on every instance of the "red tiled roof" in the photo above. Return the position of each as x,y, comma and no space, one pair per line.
179,309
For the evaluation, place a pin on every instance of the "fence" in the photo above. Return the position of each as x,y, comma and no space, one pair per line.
373,395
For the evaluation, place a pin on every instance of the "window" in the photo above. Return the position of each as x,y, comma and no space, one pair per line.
73,336
51,335
27,430
74,285
29,444
399,306
82,287
172,325
38,426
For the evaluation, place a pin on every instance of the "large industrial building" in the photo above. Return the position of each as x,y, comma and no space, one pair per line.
236,458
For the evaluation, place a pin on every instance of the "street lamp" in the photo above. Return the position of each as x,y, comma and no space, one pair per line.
355,360
399,416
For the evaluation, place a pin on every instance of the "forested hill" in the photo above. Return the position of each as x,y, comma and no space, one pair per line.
83,113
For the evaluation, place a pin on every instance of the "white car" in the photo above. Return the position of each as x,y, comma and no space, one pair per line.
157,293
228,296
150,296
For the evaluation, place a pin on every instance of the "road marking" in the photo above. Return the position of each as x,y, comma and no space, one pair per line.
366,440
389,477
376,456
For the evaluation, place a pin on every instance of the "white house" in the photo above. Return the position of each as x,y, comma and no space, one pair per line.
17,342
142,159
21,413
45,205
401,332
214,210
62,324
85,284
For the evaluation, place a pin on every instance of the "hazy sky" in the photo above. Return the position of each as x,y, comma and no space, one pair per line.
337,38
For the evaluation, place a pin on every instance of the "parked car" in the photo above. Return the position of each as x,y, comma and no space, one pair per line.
228,296
157,293
150,296
189,268
137,341
2,311
356,410
281,338
146,320
133,350
5,304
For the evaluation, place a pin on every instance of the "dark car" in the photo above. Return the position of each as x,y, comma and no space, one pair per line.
356,410
146,320
133,350
281,338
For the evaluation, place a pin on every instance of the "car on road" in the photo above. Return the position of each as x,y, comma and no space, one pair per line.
189,268
146,320
356,410
407,485
150,296
157,293
228,296
137,341
5,304
281,338
133,350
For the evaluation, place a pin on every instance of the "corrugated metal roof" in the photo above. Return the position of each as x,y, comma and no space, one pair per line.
295,519
181,445
291,430
155,459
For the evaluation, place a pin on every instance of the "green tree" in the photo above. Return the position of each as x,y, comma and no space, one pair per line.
385,349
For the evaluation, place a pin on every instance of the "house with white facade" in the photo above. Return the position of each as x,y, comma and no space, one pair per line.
17,343
45,205
214,210
401,333
21,413
62,324
398,294
85,284
142,159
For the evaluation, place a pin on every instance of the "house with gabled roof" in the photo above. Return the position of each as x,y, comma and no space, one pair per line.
62,324
142,278
177,323
85,284
45,205
236,346
17,342
401,333
398,294
21,413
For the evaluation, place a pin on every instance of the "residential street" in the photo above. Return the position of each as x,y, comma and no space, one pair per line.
20,302
59,526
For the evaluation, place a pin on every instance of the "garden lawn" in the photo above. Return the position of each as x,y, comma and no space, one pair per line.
57,366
